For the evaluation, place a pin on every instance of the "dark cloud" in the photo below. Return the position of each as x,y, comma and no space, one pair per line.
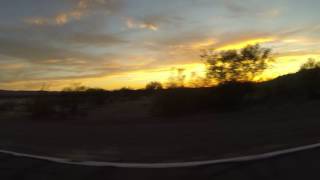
250,8
238,7
34,52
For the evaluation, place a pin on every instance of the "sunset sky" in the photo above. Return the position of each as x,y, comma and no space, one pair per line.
116,43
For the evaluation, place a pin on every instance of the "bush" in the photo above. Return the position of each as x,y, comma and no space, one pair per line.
232,96
69,103
153,86
97,96
42,106
7,106
181,101
227,97
310,79
65,104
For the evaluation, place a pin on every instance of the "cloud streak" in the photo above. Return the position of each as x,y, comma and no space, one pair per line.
82,8
135,24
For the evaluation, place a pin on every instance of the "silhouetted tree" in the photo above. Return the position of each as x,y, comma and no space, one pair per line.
75,87
71,98
177,80
310,73
310,64
96,96
197,81
154,86
237,65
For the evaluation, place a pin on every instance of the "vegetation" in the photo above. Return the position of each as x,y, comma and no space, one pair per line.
310,72
234,71
177,80
234,92
152,86
237,65
310,64
7,106
71,101
183,101
295,88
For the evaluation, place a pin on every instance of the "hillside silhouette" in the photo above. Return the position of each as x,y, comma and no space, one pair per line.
299,87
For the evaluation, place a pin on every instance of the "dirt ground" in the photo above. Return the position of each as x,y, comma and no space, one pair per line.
127,132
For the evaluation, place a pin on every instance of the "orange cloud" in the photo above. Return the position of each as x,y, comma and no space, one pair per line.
13,66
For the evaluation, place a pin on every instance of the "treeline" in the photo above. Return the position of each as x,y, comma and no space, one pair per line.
75,101
233,72
303,86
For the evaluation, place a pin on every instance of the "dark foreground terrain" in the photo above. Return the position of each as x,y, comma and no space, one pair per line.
108,135
174,125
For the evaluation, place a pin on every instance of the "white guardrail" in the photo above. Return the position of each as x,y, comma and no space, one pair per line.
164,165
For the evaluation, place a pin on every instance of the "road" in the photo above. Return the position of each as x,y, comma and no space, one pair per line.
297,165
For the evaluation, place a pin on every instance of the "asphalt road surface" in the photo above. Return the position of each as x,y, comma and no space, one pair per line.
299,165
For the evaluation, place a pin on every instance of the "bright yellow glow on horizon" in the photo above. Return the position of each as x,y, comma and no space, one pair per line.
138,79
287,64
284,64
242,44
238,45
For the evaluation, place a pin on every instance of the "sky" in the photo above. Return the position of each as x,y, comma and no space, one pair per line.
127,43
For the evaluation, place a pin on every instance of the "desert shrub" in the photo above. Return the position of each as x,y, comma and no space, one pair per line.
127,94
311,81
231,96
74,99
42,106
152,86
227,97
310,64
181,101
96,96
177,79
6,106
68,102
65,104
